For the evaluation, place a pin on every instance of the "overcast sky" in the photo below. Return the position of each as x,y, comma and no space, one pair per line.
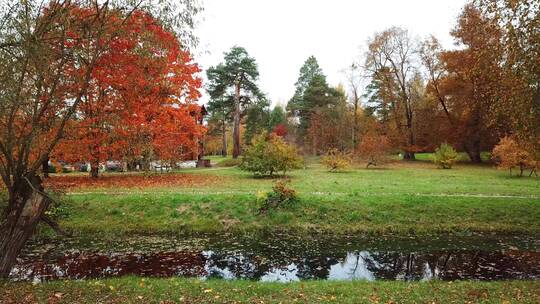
282,34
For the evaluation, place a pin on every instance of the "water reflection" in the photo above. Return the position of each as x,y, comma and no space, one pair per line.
267,266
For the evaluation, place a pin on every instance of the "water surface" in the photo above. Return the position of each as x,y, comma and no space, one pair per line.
275,257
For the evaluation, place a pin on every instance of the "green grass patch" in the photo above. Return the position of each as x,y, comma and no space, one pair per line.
178,290
400,214
403,198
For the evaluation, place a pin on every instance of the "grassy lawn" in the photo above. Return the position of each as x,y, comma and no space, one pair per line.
405,197
176,290
402,199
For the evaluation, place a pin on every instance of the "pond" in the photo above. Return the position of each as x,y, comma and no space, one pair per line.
284,258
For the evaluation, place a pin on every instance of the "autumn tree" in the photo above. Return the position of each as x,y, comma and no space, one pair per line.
354,81
330,122
143,82
319,101
336,160
49,53
374,149
519,101
473,81
392,64
510,154
234,83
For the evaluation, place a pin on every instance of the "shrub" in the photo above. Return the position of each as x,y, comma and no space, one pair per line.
445,156
509,154
374,149
51,169
270,154
335,160
282,195
280,130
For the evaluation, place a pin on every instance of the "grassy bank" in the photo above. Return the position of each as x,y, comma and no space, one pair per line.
176,290
177,212
402,198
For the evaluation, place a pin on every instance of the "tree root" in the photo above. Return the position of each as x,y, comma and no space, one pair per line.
54,225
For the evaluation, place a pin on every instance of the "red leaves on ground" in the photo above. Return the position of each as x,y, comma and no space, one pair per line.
69,182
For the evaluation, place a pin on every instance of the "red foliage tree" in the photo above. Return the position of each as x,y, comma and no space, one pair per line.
141,103
280,130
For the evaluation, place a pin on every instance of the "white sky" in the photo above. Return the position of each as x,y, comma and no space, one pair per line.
282,34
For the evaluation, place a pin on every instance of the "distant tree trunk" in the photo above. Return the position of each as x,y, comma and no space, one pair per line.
473,138
45,167
236,130
224,138
355,127
473,151
94,169
26,207
475,157
409,155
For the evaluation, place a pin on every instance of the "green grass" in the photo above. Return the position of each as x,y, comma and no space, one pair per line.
462,157
173,213
176,290
403,198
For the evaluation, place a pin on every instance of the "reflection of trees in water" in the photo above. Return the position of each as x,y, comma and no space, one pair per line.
228,266
445,265
452,265
422,266
255,267
316,267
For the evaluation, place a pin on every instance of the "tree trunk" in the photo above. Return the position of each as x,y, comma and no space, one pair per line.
475,157
45,167
224,138
94,169
409,156
355,127
236,131
473,151
26,207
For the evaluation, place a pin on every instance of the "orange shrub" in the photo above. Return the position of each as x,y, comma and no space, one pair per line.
334,160
374,149
509,154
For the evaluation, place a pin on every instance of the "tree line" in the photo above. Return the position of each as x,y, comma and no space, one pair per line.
407,91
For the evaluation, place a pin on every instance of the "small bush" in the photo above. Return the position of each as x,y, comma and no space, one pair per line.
335,160
445,156
282,195
270,154
374,149
509,154
51,169
230,162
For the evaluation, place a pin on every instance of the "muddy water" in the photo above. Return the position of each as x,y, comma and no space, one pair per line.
285,258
